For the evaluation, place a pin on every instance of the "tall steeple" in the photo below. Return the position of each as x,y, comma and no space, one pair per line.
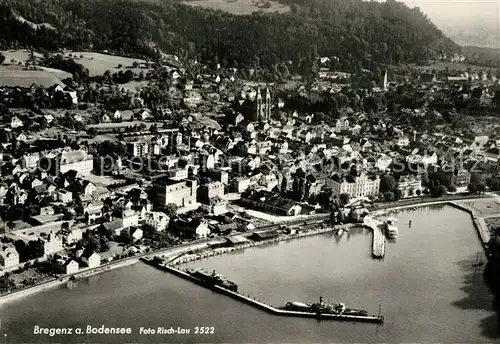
260,106
267,115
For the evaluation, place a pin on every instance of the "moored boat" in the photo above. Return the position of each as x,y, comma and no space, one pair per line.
212,279
391,231
322,307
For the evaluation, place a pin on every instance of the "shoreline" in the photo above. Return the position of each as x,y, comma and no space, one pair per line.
55,282
211,252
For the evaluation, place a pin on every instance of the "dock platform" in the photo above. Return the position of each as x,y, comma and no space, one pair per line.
270,309
378,241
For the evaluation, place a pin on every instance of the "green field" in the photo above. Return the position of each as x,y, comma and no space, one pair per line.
239,7
98,63
19,76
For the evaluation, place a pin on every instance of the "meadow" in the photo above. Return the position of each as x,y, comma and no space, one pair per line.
240,7
20,76
98,63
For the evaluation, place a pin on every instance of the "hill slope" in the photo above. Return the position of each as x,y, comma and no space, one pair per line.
359,33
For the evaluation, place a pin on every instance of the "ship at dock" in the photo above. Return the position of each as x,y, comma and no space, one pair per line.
322,307
212,279
390,229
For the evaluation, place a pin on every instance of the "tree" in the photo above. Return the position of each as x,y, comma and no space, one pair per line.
494,184
442,190
481,187
389,196
344,199
472,187
92,132
171,209
387,183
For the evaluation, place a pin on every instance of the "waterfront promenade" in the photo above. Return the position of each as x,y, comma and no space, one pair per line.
181,259
55,282
378,245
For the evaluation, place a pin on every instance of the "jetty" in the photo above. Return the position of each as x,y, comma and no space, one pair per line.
378,240
259,304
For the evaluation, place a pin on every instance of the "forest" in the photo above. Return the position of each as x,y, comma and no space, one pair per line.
360,34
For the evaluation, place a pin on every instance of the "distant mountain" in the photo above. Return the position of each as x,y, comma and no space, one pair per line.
486,35
361,34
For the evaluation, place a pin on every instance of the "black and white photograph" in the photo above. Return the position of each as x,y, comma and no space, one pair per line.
249,171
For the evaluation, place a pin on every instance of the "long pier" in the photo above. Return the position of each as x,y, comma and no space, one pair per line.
378,241
261,305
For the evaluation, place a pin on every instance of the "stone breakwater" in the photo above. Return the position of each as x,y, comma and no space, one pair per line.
212,252
479,223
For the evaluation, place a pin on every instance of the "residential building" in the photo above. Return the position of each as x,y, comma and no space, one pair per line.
138,148
91,259
52,244
9,258
130,218
462,178
178,173
75,160
341,125
195,228
272,202
216,206
211,190
16,122
240,184
71,266
158,220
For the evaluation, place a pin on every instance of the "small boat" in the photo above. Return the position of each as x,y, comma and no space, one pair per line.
478,262
340,231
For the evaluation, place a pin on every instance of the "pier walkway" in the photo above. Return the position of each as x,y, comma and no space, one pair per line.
378,241
259,304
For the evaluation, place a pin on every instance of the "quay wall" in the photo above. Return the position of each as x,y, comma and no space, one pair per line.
55,282
249,244
479,223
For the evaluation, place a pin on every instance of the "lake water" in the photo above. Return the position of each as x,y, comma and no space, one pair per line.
427,286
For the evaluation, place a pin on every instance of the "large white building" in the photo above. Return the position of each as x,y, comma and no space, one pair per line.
9,258
359,186
410,186
75,160
52,244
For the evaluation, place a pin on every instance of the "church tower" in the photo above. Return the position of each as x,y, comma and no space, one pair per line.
267,111
260,106
263,106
